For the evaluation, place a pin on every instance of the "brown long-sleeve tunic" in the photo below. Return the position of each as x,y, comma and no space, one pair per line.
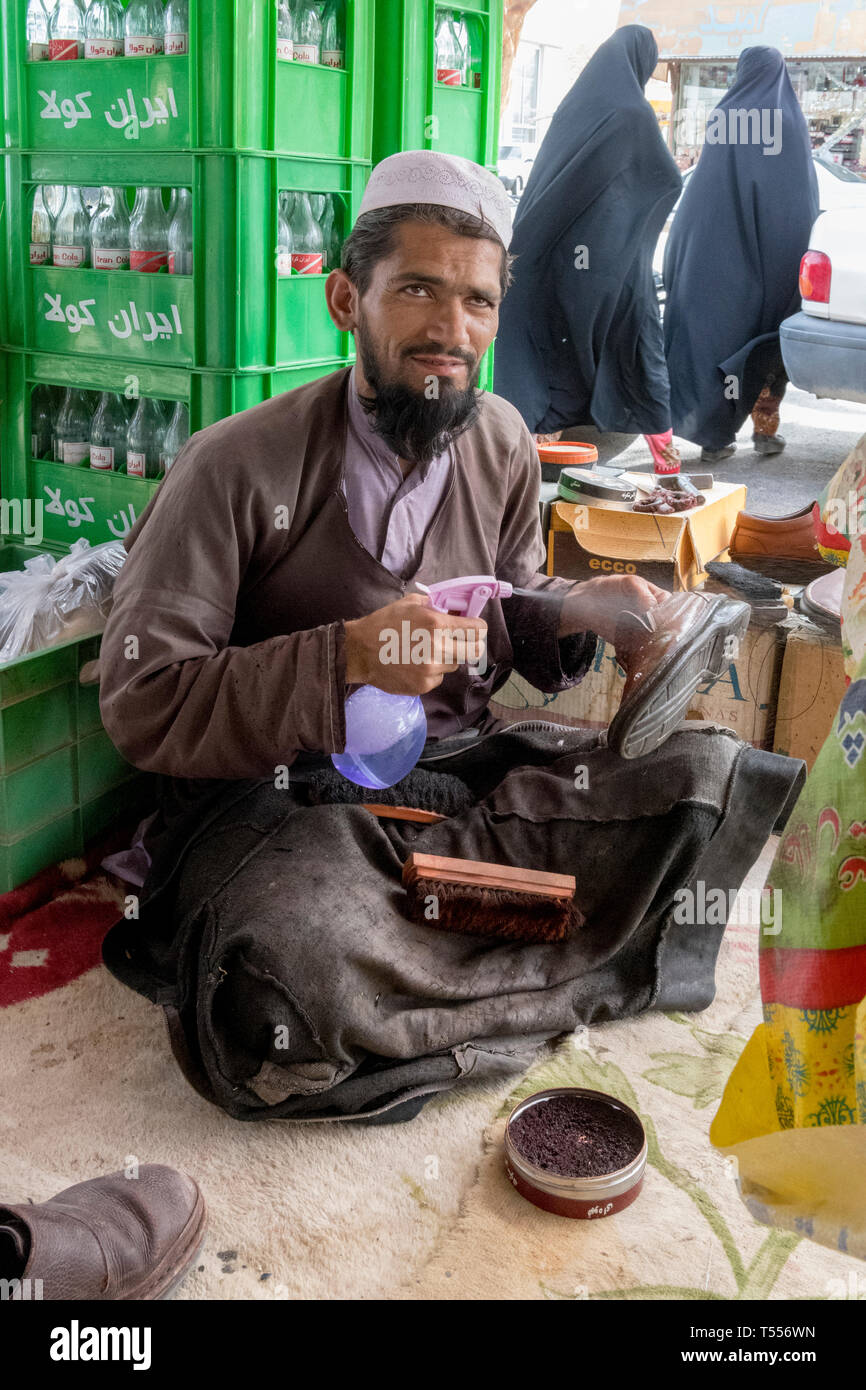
224,653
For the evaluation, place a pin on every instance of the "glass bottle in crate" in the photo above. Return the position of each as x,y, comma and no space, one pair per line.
326,222
334,248
66,31
307,46
175,437
307,248
108,434
284,238
41,227
72,428
462,34
109,232
285,32
333,34
143,29
144,439
71,239
180,258
42,408
103,29
475,50
148,232
448,56
36,30
177,27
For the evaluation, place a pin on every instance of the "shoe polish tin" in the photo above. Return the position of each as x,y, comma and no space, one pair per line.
583,1197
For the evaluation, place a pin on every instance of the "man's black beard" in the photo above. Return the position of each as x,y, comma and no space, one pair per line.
416,427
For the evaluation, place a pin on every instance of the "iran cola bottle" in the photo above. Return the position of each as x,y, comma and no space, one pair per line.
177,27
285,32
148,232
72,428
333,34
36,30
307,45
42,406
71,239
449,58
307,250
180,235
108,434
109,232
66,31
144,439
462,34
284,237
175,437
103,29
474,50
41,227
143,29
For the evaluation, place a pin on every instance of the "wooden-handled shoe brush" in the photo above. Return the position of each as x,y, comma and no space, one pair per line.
469,895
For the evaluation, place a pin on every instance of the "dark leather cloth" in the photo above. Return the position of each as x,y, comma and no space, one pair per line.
584,346
733,255
272,930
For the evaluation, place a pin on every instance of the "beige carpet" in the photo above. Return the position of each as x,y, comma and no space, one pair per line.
416,1211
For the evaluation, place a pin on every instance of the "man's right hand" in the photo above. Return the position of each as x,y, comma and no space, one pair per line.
430,645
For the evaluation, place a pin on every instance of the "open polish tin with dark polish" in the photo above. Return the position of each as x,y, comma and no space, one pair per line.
575,1152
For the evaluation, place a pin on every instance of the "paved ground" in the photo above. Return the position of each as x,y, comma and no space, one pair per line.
819,433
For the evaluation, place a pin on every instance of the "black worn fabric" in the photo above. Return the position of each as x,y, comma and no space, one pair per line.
272,931
584,345
733,254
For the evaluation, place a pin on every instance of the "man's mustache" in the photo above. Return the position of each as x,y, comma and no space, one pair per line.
436,350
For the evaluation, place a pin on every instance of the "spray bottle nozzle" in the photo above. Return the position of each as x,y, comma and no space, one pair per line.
467,595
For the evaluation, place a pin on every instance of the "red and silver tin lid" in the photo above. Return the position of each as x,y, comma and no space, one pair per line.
585,1198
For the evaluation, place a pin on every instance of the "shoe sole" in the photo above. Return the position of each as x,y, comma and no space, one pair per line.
161,1283
648,717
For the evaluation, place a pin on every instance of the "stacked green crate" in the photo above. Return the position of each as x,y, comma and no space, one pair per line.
413,110
236,126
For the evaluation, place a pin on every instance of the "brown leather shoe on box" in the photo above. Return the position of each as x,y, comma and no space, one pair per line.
783,547
111,1238
666,653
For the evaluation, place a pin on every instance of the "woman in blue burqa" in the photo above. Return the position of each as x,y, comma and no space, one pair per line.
580,339
733,258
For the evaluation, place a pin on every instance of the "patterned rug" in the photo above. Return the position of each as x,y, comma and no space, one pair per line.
416,1211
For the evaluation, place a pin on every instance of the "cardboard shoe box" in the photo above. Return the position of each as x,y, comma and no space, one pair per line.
589,539
811,687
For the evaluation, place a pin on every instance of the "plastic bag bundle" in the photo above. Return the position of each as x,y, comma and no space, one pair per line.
51,601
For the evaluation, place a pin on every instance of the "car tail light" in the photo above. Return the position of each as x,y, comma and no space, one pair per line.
815,272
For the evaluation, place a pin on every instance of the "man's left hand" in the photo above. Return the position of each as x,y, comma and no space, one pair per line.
596,605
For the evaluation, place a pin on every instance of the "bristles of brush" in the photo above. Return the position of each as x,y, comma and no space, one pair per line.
492,911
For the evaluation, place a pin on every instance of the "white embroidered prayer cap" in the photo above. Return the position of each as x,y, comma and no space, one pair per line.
425,176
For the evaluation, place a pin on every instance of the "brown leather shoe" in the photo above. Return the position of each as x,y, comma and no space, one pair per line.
783,547
666,653
111,1238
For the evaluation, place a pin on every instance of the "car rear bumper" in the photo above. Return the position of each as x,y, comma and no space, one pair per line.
825,356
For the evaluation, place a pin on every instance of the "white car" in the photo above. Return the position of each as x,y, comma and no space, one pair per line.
514,166
824,346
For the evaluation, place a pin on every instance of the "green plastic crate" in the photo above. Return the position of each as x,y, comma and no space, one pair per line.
233,313
38,792
101,506
228,93
411,110
22,856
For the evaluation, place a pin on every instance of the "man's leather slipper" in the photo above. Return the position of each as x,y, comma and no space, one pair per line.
666,654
